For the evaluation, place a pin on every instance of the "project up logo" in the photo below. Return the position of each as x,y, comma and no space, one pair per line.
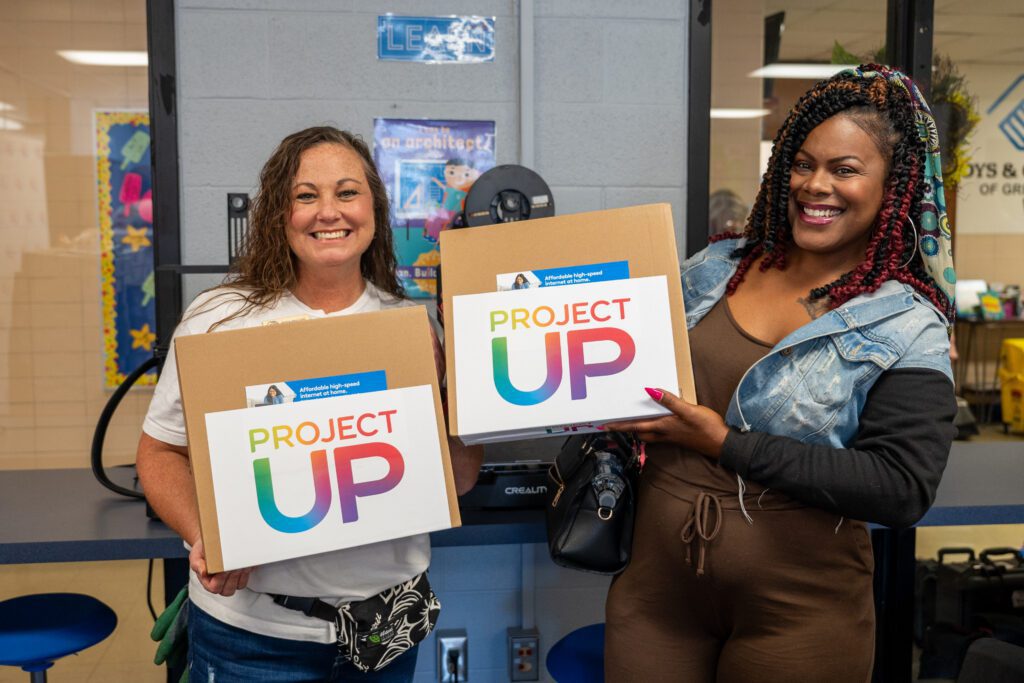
312,434
504,321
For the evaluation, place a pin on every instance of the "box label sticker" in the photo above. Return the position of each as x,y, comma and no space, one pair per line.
294,391
568,275
322,475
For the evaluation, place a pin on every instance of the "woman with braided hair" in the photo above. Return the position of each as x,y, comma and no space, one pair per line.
825,400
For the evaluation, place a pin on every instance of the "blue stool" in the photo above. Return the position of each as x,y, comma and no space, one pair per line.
578,657
36,630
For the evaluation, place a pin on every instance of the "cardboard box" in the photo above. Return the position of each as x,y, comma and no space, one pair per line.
342,463
539,360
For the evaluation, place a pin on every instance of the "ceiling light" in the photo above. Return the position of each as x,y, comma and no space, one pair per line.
105,58
10,124
739,113
804,71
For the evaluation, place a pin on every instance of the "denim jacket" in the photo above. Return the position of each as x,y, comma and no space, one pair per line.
813,384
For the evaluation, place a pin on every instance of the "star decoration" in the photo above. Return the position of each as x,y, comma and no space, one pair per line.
136,238
143,338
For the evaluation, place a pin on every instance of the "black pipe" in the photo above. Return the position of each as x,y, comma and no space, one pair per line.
98,436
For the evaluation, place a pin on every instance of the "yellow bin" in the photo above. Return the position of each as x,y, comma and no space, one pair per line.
1011,379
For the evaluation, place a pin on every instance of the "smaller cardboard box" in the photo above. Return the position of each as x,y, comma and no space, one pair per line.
353,452
557,324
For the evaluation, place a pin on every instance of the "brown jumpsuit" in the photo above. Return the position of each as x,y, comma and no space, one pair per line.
711,597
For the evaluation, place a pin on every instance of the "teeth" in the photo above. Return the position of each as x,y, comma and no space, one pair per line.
821,213
332,235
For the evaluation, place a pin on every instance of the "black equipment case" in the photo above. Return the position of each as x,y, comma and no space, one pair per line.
953,592
961,601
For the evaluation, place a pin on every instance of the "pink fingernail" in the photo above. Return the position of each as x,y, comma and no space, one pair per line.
601,427
654,393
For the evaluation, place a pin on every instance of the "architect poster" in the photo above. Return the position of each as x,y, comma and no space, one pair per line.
428,167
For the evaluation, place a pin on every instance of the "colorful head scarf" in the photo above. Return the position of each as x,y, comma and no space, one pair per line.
935,240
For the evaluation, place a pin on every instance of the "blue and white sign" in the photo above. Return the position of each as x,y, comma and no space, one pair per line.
989,198
568,275
1009,111
435,40
294,391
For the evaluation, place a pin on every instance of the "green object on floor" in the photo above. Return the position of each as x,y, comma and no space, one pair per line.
171,632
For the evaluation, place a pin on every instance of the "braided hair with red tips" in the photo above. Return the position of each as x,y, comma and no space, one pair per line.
884,110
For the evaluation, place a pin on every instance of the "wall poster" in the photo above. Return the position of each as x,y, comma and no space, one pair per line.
428,167
124,192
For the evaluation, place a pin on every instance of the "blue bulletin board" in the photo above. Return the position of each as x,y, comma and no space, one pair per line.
125,203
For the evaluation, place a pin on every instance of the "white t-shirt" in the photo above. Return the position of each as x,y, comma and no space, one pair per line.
336,577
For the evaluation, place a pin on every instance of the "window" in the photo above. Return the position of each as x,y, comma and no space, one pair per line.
56,101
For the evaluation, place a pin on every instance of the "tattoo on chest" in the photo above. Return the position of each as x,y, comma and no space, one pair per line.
816,308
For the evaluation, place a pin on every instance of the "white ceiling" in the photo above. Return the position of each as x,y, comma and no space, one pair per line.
968,31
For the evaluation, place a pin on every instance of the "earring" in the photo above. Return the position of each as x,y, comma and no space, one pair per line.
914,252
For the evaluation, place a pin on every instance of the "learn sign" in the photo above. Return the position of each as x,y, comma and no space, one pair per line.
465,39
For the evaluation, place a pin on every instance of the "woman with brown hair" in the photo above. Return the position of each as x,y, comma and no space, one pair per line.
825,400
319,244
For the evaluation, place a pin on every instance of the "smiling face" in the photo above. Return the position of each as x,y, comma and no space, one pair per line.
460,177
331,222
836,187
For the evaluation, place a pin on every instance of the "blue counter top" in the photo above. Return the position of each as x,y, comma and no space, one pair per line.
66,516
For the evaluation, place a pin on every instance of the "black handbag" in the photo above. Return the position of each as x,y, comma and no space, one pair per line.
591,509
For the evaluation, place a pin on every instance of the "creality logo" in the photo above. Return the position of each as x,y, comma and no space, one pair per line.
312,434
507,321
1009,110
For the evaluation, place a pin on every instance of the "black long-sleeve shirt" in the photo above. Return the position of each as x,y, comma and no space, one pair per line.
890,472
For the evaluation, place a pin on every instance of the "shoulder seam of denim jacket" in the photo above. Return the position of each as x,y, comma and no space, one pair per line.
885,298
715,249
928,304
930,346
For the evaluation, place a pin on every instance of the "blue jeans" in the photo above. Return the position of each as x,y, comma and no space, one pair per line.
221,653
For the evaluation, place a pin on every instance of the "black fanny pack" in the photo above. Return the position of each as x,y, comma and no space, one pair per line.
375,631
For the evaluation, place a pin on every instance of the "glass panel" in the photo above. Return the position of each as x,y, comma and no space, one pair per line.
52,321
746,110
981,61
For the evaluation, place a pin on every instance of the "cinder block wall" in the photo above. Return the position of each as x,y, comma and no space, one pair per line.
610,130
610,95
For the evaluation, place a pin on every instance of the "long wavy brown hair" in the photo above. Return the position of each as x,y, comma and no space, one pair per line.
266,268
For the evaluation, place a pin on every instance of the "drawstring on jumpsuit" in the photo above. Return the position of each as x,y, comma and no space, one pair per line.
696,527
